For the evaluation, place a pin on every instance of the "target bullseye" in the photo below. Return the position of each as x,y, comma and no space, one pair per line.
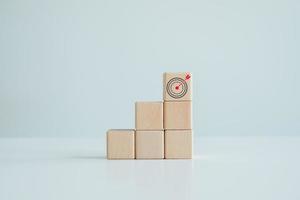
177,87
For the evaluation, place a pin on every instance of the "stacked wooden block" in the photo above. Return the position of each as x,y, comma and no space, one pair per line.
178,115
162,129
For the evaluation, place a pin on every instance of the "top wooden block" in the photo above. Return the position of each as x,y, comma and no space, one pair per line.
149,115
178,86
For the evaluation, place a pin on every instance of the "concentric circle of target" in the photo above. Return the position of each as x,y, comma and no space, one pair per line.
175,92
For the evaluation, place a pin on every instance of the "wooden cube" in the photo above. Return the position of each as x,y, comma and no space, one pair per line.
149,115
120,144
178,144
178,86
149,144
178,115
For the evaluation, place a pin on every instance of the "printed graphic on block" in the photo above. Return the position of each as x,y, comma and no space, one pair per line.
163,129
177,86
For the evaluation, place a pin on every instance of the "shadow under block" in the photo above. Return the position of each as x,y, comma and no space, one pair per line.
149,115
149,144
178,144
120,144
178,115
177,86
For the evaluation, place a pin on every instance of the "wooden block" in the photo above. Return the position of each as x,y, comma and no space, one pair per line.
178,86
149,115
178,144
178,115
120,144
149,144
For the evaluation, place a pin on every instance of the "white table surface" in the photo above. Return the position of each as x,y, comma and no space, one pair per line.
223,168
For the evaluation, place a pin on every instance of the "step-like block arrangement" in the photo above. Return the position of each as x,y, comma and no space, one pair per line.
120,144
162,129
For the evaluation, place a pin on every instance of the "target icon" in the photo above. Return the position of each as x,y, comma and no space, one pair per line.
177,87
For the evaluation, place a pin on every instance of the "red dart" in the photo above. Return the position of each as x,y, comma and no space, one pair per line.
187,77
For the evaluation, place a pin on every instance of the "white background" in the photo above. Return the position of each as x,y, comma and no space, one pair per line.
229,168
75,68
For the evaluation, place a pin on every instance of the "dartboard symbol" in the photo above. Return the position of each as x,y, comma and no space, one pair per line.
177,87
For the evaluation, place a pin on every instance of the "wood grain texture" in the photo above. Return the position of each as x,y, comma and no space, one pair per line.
149,115
149,144
178,115
178,144
120,144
